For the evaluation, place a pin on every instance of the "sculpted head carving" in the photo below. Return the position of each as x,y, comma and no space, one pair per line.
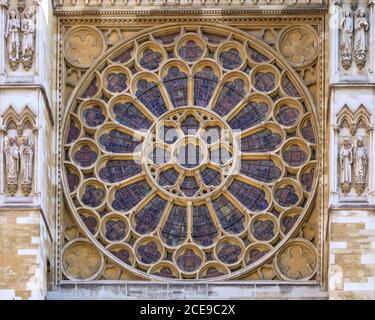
361,13
360,142
347,143
12,141
12,14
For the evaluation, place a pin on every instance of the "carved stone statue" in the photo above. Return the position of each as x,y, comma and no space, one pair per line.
361,29
12,34
12,165
346,160
26,155
360,166
346,44
28,32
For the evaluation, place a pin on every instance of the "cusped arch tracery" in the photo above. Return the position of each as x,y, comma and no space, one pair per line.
193,154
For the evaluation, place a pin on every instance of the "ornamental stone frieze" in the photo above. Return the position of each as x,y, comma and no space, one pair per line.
92,5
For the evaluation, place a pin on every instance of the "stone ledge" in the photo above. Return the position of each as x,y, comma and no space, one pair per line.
180,291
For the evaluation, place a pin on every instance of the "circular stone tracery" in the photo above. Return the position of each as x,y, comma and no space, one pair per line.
190,156
197,145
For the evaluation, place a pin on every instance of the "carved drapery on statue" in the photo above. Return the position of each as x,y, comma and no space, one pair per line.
346,160
360,165
26,157
361,29
346,44
12,34
11,151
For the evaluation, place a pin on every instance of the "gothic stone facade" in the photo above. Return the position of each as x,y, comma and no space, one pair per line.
101,102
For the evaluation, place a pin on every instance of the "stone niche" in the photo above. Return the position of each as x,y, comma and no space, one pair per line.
18,139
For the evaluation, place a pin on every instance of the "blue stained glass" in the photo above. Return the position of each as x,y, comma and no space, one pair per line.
128,115
93,196
190,125
190,52
93,116
149,253
149,94
204,229
129,196
147,219
250,115
118,142
231,95
124,56
286,196
211,177
176,83
261,170
262,141
251,197
205,83
168,177
119,170
229,216
116,82
230,59
189,186
174,229
150,59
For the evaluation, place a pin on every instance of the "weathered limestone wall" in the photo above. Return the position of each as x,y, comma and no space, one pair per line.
23,254
352,255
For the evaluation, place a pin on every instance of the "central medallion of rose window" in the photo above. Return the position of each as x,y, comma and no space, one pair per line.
189,153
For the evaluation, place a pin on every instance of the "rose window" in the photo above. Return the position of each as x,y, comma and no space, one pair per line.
190,154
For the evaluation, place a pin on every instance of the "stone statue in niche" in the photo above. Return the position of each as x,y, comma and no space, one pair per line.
26,156
12,165
346,160
28,32
12,34
346,44
361,29
360,165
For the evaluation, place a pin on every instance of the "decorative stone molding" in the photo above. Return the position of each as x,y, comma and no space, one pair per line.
100,4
